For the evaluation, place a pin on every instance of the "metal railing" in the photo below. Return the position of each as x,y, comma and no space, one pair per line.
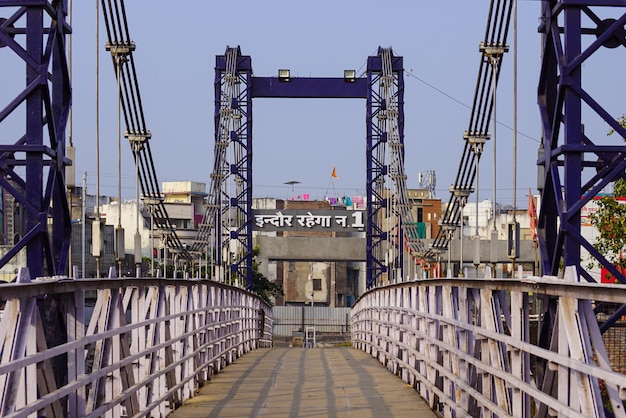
465,345
294,319
119,347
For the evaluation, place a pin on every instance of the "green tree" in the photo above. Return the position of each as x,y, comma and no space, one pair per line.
622,121
610,220
261,285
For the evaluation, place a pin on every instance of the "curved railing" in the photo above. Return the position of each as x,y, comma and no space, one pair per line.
119,347
473,347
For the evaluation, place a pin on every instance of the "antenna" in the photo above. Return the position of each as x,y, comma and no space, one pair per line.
428,180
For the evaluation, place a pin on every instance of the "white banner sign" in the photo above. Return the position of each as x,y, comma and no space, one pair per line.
308,220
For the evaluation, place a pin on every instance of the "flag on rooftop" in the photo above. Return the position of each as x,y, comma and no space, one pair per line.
532,214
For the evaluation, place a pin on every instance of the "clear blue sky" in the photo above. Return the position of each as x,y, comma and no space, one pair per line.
297,139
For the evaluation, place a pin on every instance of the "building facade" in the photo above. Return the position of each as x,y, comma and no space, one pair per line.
332,279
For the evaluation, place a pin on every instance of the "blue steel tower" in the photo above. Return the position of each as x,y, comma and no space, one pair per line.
386,178
575,165
231,182
32,167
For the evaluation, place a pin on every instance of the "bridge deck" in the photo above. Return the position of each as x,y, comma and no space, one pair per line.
296,382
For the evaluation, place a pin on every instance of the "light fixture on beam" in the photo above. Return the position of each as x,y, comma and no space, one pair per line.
349,76
284,75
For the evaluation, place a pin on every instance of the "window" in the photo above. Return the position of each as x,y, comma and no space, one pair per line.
317,284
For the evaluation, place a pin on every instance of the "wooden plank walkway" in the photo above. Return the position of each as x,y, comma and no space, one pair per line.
332,382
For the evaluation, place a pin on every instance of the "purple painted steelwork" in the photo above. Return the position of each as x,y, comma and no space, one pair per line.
300,87
305,87
376,166
37,179
561,101
239,171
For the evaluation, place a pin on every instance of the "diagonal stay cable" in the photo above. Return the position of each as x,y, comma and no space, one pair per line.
209,233
118,39
496,33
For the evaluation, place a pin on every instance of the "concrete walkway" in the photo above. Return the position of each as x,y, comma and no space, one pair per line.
295,382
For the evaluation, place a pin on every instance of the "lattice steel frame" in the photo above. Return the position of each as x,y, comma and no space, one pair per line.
31,171
561,100
379,120
563,166
233,129
385,122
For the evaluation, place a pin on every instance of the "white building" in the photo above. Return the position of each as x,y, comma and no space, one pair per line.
184,203
110,214
486,221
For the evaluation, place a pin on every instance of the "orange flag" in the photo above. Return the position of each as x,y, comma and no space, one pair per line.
334,173
532,214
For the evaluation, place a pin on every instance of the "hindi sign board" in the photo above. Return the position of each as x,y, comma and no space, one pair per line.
308,220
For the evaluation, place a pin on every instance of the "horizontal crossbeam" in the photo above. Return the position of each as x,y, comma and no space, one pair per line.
309,88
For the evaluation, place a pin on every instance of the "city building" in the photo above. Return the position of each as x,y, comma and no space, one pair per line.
335,276
184,203
328,276
426,211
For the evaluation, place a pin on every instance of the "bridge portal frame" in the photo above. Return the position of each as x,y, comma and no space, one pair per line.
378,120
31,171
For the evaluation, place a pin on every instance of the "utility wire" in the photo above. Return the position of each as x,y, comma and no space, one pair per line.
454,99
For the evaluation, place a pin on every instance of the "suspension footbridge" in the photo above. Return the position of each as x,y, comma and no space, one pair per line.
524,346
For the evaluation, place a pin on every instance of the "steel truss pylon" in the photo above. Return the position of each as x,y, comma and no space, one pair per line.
390,226
231,184
33,167
575,166
577,169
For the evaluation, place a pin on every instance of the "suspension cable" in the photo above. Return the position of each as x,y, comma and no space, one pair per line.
493,44
118,36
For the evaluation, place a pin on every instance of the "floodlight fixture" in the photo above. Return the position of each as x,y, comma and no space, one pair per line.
284,75
349,76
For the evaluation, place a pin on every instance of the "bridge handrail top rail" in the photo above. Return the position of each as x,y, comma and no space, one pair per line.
58,285
547,285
